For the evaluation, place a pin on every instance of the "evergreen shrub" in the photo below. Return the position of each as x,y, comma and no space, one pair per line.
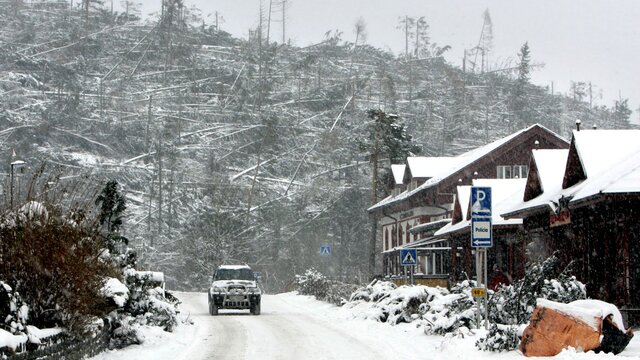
314,283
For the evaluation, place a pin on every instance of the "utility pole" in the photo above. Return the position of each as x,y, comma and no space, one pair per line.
269,21
284,21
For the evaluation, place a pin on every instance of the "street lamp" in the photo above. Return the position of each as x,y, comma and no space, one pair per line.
15,164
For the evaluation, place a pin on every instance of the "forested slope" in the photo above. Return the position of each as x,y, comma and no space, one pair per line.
239,149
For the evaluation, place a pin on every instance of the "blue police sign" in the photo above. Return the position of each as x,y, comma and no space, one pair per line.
481,227
481,234
408,257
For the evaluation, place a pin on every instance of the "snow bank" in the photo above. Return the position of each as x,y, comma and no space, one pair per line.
12,341
36,335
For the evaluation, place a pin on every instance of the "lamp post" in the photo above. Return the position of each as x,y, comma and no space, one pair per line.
15,164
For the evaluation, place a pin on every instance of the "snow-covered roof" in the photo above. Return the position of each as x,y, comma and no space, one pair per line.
233,267
428,167
599,149
610,162
504,193
398,173
454,165
550,165
433,225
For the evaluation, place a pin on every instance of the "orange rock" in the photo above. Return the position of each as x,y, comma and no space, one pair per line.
551,331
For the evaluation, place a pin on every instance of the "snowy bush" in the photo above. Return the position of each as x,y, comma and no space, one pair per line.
13,312
499,338
143,302
514,304
51,262
373,292
115,292
436,310
312,282
452,310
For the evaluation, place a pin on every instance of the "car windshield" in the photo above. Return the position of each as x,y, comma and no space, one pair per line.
234,274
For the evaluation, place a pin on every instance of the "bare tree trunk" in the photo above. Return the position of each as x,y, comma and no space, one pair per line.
159,160
146,136
406,36
374,199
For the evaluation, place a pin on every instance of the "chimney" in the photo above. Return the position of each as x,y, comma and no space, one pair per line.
578,122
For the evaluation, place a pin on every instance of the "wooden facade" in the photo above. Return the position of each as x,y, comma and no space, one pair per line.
430,200
592,222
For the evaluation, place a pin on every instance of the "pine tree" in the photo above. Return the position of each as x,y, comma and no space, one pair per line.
621,114
112,206
386,140
519,101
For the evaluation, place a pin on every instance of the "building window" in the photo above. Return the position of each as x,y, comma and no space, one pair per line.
504,172
520,171
394,237
512,172
386,239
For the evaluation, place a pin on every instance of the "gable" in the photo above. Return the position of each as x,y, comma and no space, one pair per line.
456,216
546,171
574,172
533,188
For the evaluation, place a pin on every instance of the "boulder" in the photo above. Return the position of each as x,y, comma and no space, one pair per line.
584,325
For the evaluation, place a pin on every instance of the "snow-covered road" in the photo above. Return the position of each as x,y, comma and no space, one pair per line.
299,327
284,330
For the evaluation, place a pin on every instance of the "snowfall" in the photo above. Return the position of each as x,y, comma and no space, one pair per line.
293,326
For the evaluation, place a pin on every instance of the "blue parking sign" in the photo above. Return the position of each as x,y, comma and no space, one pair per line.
480,201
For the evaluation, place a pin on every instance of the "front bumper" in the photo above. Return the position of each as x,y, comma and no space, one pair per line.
234,301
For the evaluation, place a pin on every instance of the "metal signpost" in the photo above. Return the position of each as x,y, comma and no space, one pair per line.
481,239
409,257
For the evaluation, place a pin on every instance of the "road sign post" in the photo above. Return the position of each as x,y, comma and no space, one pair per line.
481,239
409,257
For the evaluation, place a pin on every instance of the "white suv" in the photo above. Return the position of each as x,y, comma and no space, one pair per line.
234,287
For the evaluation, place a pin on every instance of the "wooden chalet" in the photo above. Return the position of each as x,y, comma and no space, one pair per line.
584,204
424,202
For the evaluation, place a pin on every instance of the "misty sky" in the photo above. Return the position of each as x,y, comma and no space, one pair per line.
579,40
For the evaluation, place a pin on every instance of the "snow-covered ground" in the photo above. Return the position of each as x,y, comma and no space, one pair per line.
299,327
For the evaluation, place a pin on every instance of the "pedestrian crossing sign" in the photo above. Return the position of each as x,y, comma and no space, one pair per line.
325,250
408,257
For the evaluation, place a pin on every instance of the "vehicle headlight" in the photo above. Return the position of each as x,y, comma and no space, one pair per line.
253,290
216,289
